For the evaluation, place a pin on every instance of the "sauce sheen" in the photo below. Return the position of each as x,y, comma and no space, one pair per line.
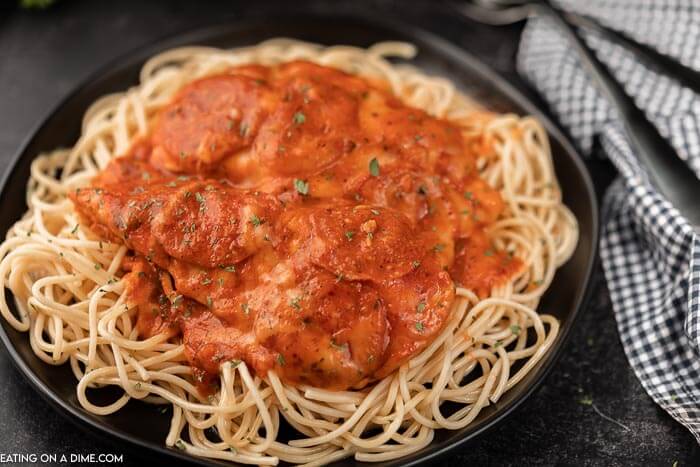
300,219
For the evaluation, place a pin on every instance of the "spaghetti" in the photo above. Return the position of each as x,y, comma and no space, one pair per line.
70,296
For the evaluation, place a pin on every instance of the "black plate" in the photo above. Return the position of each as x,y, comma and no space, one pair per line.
139,424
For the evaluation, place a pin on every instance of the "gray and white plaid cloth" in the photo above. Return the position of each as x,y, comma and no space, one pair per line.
650,254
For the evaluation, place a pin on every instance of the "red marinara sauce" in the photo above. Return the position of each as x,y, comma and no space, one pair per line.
300,219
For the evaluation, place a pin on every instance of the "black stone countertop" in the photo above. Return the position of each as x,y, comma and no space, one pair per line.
45,54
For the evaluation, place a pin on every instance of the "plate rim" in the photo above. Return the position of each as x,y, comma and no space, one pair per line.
455,54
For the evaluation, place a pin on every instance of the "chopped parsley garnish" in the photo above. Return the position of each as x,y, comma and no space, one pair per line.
489,252
235,363
375,212
374,167
182,154
98,266
468,195
415,264
349,234
294,303
586,400
301,186
243,130
438,247
210,302
230,268
339,277
206,281
180,445
515,329
245,308
299,118
146,176
498,344
172,184
280,359
202,202
75,229
420,308
256,221
177,300
419,326
422,190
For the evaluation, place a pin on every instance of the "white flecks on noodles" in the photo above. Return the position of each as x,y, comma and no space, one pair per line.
70,297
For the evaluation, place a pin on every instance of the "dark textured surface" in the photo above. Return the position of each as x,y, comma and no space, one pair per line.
43,55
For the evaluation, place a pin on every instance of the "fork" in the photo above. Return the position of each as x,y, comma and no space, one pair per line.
666,170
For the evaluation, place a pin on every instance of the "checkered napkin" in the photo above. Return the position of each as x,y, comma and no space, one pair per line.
650,254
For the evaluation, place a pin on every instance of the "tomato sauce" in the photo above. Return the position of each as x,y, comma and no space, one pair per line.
300,219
